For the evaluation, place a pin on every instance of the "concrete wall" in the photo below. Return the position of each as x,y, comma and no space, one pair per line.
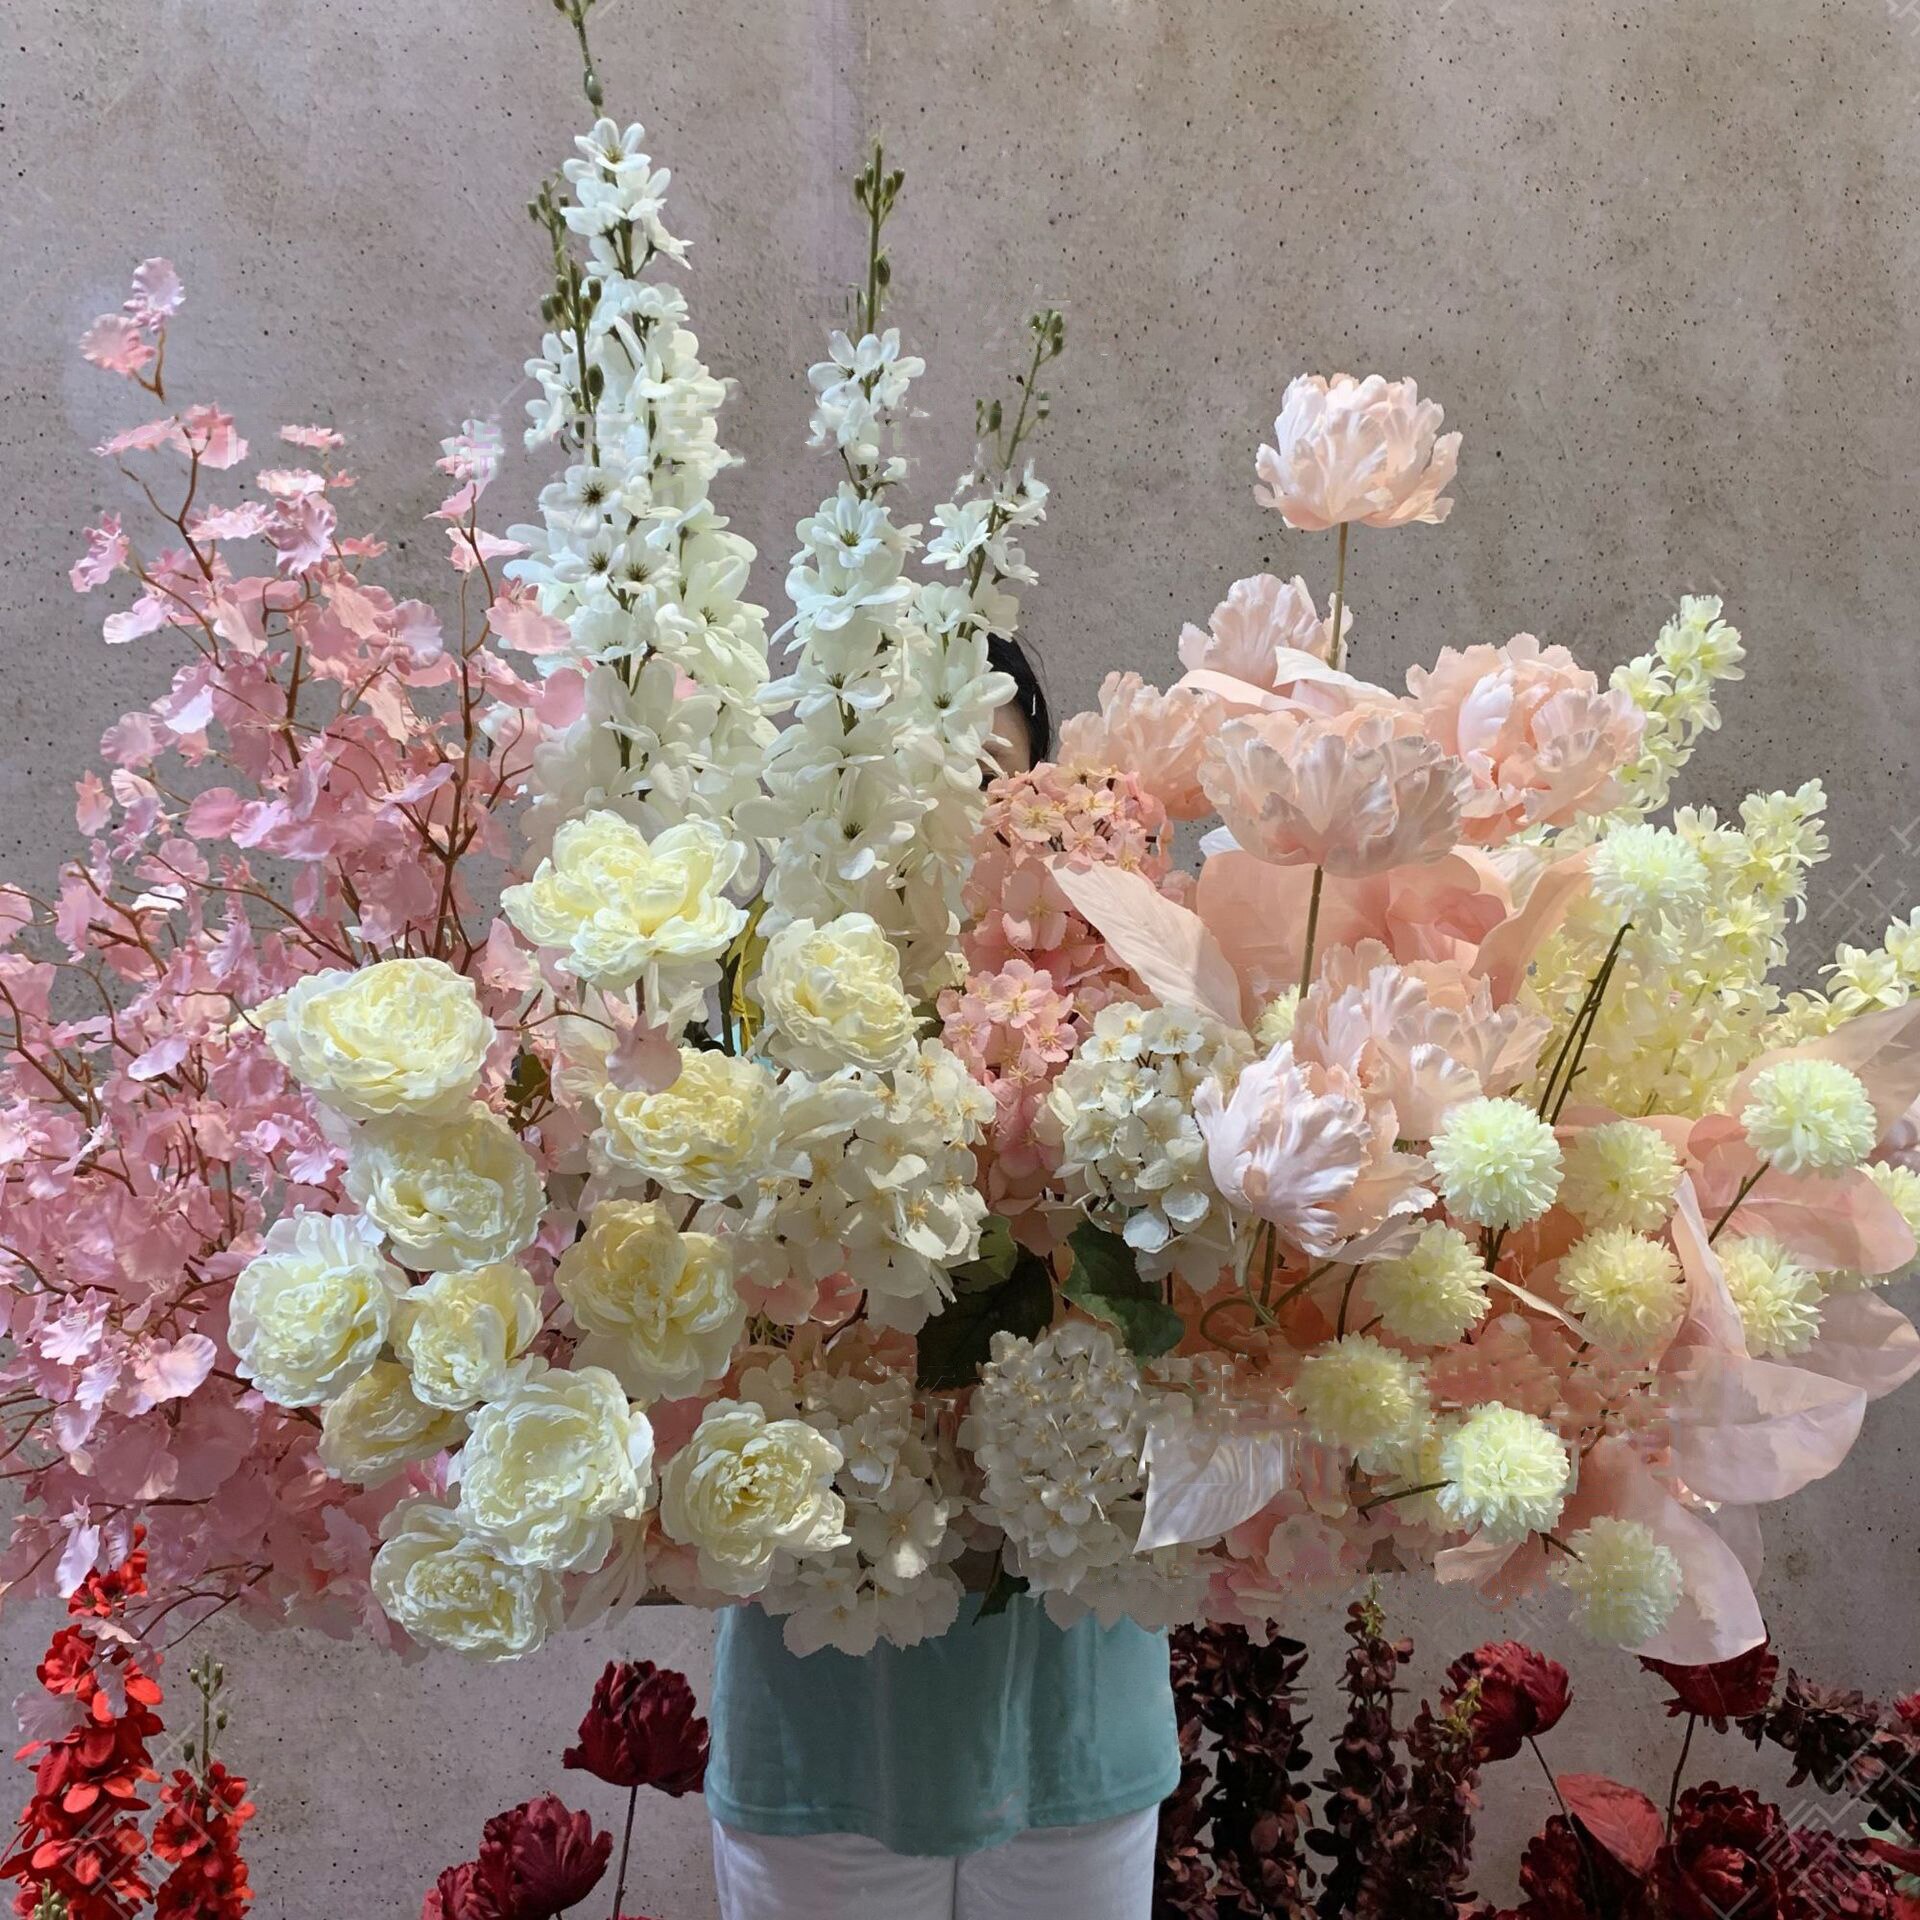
1659,261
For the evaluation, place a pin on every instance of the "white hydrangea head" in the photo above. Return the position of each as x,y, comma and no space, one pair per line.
1647,874
1435,1292
1778,1297
1625,1289
1621,1174
1498,1163
1809,1116
1506,1472
1359,1394
1625,1584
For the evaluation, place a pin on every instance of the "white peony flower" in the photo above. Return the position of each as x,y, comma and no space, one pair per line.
552,1464
833,998
459,1193
380,1425
310,1311
619,909
658,1305
397,1037
745,1488
461,1333
714,1133
450,1588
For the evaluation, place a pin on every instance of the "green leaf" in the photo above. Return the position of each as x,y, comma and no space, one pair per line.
959,1340
1106,1281
994,1262
1001,1589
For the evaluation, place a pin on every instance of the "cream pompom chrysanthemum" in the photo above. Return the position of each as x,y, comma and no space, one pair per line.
1646,874
1358,1394
1621,1175
1434,1292
1506,1473
1901,1185
1778,1298
1809,1116
1276,1019
1498,1162
1626,1289
1625,1584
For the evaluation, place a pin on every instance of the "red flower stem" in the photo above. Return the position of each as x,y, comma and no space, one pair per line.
1680,1767
626,1843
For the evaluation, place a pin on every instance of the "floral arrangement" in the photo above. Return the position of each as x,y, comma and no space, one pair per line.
541,1859
1394,1837
79,1846
820,1177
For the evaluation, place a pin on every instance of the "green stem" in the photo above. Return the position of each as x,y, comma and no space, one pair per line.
1580,1030
1680,1767
1339,647
1746,1187
590,80
1313,928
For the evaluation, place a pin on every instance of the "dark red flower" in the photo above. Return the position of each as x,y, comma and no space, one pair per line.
1727,1854
1833,1876
1909,1711
459,1894
1565,1878
1522,1694
199,1832
642,1730
537,1860
1724,1690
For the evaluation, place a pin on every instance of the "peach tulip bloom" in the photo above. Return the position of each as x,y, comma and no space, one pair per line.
1356,450
1157,737
1355,794
1540,740
1262,625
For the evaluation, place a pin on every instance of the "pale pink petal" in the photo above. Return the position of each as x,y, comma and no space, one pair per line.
516,617
1168,946
1863,1341
1712,1320
1508,950
1754,1430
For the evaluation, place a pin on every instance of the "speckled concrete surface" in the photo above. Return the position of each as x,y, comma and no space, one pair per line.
1660,262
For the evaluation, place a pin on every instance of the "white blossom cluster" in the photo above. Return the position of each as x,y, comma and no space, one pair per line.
1057,1428
894,1577
629,551
873,789
1130,1148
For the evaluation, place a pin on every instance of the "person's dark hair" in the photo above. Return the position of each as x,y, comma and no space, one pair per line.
1010,657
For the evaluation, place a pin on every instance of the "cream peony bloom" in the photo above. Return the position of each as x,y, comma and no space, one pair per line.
1368,450
450,1588
619,908
310,1311
552,1464
401,1036
380,1425
712,1134
833,997
461,1193
745,1488
461,1333
658,1306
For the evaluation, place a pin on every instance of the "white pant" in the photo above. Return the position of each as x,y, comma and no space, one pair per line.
1099,1872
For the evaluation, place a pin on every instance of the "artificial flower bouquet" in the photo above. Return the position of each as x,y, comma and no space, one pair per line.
817,1167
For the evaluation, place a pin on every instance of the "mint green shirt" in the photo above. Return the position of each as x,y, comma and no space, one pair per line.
945,1748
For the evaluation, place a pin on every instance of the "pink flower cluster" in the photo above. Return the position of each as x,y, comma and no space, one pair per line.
1037,972
312,790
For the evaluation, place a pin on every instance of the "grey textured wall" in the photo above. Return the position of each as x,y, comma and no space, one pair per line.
1659,261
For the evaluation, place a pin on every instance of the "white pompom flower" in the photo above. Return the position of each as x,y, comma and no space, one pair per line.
1625,1584
1435,1292
1621,1174
1778,1297
1498,1163
1359,1394
1626,1289
1809,1116
1506,1472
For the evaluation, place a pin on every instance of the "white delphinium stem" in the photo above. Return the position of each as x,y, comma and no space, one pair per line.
629,552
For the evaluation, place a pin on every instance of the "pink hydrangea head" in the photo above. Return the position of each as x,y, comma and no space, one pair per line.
1367,451
1540,739
1354,795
